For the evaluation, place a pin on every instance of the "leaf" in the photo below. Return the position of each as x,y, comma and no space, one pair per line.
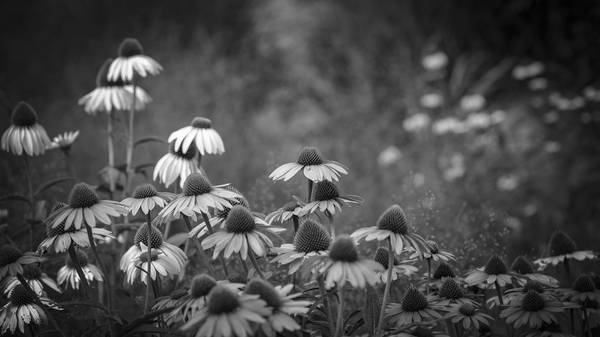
15,197
147,140
371,310
51,183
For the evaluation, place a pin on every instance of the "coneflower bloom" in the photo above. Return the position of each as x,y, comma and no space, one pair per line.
522,266
198,196
227,314
583,290
12,260
393,225
414,308
175,164
201,133
451,293
219,215
165,259
442,272
531,285
36,279
532,309
434,253
281,302
132,62
286,212
173,300
562,248
399,269
146,198
344,265
467,316
112,95
68,276
313,166
86,209
21,310
58,239
197,296
327,199
494,272
25,135
64,141
243,232
311,240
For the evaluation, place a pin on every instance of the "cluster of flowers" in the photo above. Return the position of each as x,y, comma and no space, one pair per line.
321,267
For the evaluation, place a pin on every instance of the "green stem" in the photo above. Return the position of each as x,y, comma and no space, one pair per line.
130,142
310,188
111,154
82,278
339,326
324,297
567,269
210,230
102,267
296,221
244,265
499,292
386,292
148,271
255,264
31,200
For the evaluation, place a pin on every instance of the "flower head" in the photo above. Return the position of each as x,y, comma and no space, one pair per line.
443,271
132,62
146,198
201,133
25,135
175,164
12,260
286,212
382,256
584,289
197,296
468,316
22,309
522,266
495,270
310,240
451,293
35,278
531,309
327,199
64,141
414,308
433,252
313,166
67,274
561,248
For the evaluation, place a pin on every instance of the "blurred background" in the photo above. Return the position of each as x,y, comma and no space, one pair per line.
480,118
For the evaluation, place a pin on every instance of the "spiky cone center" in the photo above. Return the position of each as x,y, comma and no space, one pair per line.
23,115
141,236
326,190
202,285
196,184
561,244
81,257
83,196
382,256
414,300
467,309
422,332
130,47
532,285
102,76
394,220
584,284
443,270
187,155
145,191
522,266
9,254
32,271
222,300
239,220
311,237
266,291
495,266
343,249
201,123
21,296
310,156
532,301
451,290
237,201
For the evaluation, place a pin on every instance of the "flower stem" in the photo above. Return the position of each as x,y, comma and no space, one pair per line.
386,291
102,267
499,292
310,188
296,221
428,275
339,326
326,303
210,230
111,154
148,278
82,278
244,265
567,269
586,323
130,170
30,198
255,264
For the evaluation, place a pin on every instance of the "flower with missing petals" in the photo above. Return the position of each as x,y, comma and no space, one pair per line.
563,248
35,278
85,209
145,198
393,225
201,133
344,265
414,308
311,240
533,310
175,164
282,304
228,314
399,268
132,62
327,199
64,141
25,135
12,260
243,231
312,165
67,274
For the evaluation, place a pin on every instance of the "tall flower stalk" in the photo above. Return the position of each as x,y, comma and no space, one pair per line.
386,291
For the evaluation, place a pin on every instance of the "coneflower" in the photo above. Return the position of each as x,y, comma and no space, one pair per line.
200,133
399,267
522,266
175,164
414,308
494,273
468,316
562,249
132,62
313,166
145,198
327,199
35,278
12,260
25,135
22,310
69,274
197,296
452,293
532,309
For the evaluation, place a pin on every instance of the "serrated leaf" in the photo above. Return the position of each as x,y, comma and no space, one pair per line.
147,140
52,183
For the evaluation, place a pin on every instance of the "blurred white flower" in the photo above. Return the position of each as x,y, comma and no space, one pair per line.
563,103
389,156
416,122
525,71
432,100
449,125
551,117
454,167
64,140
530,209
591,93
435,61
552,147
514,223
472,102
508,182
539,83
479,120
418,179
498,116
